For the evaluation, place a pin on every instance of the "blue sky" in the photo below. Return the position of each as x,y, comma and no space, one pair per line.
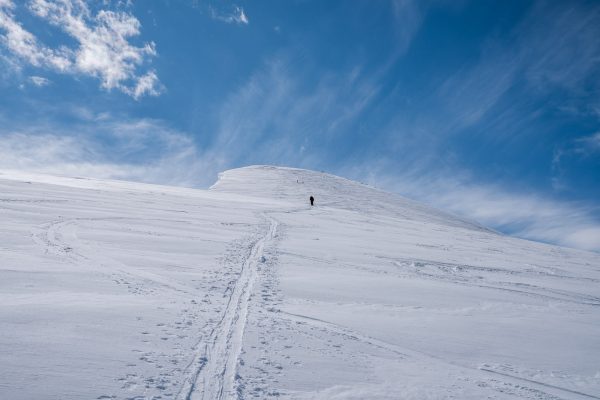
487,109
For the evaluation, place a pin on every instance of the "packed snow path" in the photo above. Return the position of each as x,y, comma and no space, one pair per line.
116,290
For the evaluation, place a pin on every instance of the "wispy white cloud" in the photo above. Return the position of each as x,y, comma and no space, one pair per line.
237,16
103,49
560,46
409,16
142,150
581,149
285,117
523,215
39,81
554,47
589,144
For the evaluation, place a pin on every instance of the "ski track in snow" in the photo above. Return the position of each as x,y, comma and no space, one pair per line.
212,372
216,371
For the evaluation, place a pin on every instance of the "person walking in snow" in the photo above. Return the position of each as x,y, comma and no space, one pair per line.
312,201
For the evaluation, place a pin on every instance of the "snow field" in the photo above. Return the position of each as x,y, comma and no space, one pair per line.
117,290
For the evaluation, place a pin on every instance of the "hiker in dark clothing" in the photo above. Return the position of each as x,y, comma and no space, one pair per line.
312,201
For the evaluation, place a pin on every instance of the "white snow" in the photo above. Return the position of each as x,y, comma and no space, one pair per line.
118,290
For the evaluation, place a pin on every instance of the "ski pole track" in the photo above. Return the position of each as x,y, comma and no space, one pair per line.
345,332
574,392
215,373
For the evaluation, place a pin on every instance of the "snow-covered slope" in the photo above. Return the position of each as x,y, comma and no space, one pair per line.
295,186
129,291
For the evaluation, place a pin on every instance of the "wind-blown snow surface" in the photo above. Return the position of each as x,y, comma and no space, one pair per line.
130,291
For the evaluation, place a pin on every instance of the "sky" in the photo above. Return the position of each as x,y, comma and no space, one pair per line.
486,109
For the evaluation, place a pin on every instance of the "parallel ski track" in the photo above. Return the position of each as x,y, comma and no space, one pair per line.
214,369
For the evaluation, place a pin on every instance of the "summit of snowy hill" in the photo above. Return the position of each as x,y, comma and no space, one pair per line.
120,290
295,186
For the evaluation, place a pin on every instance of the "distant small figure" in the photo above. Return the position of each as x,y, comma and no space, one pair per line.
312,201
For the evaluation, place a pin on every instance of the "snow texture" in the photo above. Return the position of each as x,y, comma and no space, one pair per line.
117,290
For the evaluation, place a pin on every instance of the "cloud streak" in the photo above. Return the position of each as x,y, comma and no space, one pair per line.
589,144
554,47
113,148
283,118
39,81
236,16
103,49
524,215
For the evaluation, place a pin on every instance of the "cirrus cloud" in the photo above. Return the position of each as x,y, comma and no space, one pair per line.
237,16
